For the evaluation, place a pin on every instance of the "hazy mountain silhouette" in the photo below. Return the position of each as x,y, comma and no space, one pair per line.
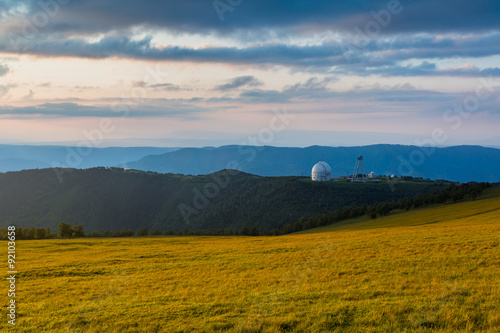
459,163
19,157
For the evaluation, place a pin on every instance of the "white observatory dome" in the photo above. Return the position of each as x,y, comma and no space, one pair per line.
321,172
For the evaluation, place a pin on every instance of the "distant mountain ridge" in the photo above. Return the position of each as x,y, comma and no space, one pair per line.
458,163
20,157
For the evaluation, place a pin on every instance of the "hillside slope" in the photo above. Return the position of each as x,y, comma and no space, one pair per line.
485,207
428,270
102,199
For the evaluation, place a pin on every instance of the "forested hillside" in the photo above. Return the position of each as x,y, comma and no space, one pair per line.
112,199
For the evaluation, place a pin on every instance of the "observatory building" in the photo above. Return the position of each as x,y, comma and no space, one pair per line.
321,172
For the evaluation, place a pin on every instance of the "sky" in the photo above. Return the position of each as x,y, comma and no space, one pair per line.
261,72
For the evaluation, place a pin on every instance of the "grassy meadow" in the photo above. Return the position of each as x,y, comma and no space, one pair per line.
429,270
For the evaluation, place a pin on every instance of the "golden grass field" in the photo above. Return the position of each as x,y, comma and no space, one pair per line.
428,270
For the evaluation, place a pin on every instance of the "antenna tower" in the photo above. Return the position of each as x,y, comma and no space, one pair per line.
359,174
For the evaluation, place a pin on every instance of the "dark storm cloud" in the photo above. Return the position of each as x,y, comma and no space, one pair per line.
201,16
350,56
121,46
422,29
377,53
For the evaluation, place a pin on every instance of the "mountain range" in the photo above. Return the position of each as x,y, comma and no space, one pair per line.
24,157
458,163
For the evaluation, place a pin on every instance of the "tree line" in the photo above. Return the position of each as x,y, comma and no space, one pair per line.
29,233
453,194
64,231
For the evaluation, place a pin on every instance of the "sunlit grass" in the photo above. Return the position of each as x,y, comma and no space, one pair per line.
435,270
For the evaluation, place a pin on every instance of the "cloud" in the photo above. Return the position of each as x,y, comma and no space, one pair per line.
4,69
264,96
238,82
79,88
365,96
140,84
423,29
29,96
165,86
120,109
201,16
125,47
378,57
424,69
311,89
157,86
374,100
5,88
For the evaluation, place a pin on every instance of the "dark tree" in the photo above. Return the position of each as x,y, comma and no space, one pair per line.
372,212
40,233
65,230
142,232
77,231
383,208
155,232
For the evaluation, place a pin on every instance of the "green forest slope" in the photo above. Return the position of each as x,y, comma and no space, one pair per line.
112,199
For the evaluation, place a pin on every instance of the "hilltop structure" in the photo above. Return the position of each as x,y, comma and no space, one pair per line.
359,174
321,172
